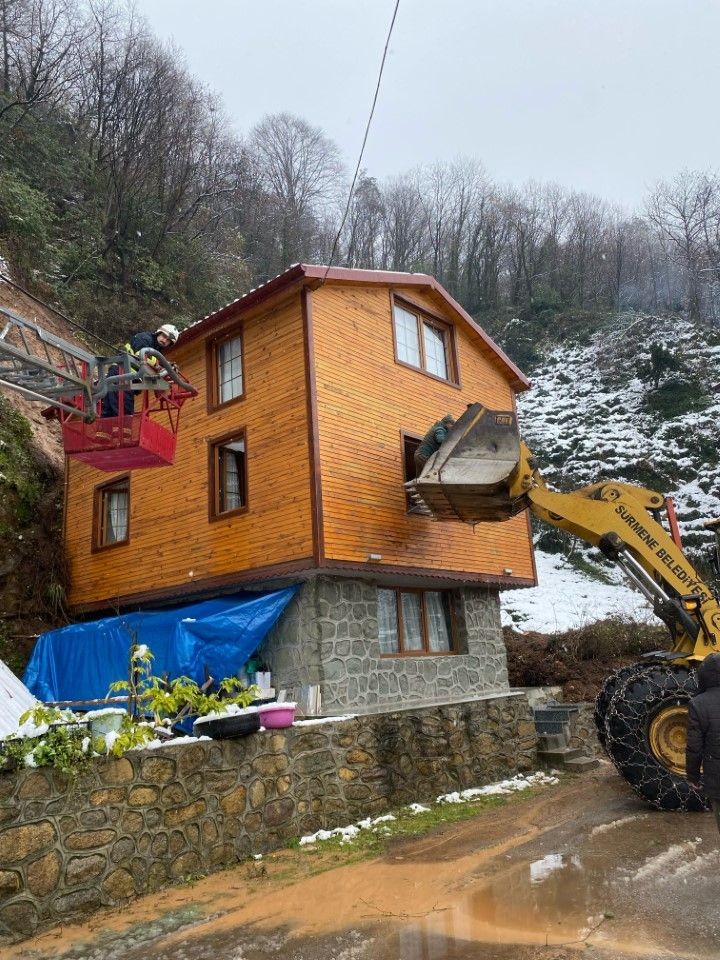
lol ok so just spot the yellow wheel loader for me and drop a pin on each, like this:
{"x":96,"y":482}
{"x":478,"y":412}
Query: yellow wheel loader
{"x":484,"y":473}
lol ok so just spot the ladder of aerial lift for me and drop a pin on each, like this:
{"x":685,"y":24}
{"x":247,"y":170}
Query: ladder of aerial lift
{"x":42,"y":366}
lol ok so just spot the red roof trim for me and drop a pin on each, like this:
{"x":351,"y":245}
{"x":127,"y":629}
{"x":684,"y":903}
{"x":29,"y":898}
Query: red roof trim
{"x":305,"y":271}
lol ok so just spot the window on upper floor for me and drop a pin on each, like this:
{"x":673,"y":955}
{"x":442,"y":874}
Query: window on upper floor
{"x":228,"y":475}
{"x":424,"y":342}
{"x":111,"y":520}
{"x":225,"y":370}
{"x":415,"y":622}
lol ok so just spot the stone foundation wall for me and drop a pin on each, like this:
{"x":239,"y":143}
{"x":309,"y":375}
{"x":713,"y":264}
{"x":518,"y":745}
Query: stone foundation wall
{"x":135,"y":824}
{"x":328,"y":637}
{"x":583,"y":733}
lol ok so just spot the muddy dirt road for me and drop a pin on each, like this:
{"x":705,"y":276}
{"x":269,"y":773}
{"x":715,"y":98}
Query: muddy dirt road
{"x":582,"y":868}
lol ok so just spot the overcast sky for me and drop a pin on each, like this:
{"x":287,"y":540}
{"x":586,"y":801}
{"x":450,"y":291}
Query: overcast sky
{"x":606,"y":96}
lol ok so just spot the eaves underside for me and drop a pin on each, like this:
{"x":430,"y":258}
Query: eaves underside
{"x":282,"y":575}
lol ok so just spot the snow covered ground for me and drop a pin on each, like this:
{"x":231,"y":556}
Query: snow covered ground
{"x":566,"y":598}
{"x":589,"y":418}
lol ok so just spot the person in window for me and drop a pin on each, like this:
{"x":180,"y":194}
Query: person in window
{"x":432,"y":441}
{"x":164,"y":337}
{"x":703,"y":734}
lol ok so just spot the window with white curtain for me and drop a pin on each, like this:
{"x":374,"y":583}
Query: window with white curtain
{"x":414,"y":622}
{"x":439,"y":623}
{"x":112,"y":513}
{"x":388,"y":622}
{"x":229,"y":479}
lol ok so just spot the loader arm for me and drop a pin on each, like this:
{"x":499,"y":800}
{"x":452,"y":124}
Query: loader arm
{"x":484,"y":472}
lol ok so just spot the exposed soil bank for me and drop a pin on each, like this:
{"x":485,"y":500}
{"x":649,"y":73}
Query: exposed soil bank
{"x":580,"y":865}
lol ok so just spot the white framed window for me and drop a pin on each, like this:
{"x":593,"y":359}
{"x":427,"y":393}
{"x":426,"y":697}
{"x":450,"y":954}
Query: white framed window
{"x":435,"y":343}
{"x":406,"y":336}
{"x":423,"y":342}
{"x":229,"y":369}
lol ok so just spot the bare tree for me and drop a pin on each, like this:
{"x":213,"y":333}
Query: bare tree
{"x":364,"y":226}
{"x":40,"y":40}
{"x":679,"y":211}
{"x":300,"y":169}
{"x":404,"y":244}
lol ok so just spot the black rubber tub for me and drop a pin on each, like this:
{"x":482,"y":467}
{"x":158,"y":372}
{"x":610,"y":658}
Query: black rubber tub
{"x":225,"y":728}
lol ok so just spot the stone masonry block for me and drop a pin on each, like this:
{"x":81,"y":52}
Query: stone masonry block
{"x":17,"y":843}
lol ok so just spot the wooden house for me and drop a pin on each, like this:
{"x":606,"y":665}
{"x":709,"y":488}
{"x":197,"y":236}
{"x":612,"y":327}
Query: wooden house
{"x":314,"y":391}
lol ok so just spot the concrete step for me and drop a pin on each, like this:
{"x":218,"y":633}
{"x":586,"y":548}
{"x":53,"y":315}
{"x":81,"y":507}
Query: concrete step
{"x":556,"y":712}
{"x":553,"y":741}
{"x":559,"y":757}
{"x":581,"y":764}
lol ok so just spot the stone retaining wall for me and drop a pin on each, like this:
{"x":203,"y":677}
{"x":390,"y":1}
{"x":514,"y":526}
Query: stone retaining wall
{"x":583,"y":733}
{"x":135,"y":824}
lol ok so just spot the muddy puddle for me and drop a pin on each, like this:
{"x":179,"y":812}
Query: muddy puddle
{"x":586,"y":869}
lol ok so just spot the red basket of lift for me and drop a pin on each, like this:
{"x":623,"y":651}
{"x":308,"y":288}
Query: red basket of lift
{"x":145,"y":438}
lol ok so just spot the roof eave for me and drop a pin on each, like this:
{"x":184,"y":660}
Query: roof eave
{"x":305,"y":272}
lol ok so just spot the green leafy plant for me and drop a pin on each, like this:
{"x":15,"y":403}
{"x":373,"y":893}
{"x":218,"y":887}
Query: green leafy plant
{"x":41,"y":714}
{"x":131,"y":735}
{"x":15,"y":751}
{"x":179,"y":697}
{"x":66,"y":747}
{"x":167,"y":700}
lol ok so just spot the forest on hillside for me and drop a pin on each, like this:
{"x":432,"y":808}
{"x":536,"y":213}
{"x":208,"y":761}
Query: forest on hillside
{"x":124,"y":191}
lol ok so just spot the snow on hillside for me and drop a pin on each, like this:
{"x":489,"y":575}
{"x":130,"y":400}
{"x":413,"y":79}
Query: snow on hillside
{"x":599,"y":410}
{"x":566,"y":598}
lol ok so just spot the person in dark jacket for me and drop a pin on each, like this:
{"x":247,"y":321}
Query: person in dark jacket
{"x":432,"y":441}
{"x":163,"y":337}
{"x":703,"y":734}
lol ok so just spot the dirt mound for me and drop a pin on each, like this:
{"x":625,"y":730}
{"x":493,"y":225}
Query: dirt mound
{"x":578,"y":660}
{"x":33,"y":575}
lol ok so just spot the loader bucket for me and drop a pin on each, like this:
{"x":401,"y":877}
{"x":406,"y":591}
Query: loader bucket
{"x":469,"y":477}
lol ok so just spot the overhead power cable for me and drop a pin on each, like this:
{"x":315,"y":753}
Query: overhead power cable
{"x":362,"y":148}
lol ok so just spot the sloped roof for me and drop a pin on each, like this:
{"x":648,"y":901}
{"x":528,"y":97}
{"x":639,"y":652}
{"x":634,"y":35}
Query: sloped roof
{"x":15,"y":699}
{"x":306,"y":273}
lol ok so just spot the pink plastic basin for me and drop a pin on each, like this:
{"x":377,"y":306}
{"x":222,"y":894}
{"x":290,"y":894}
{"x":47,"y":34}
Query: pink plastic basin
{"x":276,"y":715}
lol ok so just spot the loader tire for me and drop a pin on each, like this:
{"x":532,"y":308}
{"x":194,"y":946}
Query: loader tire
{"x":645,"y":727}
{"x":602,"y":702}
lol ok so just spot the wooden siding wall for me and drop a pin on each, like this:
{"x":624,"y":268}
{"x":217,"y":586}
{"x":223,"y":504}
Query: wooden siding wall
{"x":172,"y":544}
{"x":361,"y":415}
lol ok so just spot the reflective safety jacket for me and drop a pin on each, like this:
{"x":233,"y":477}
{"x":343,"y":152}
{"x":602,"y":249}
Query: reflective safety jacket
{"x":139,"y":342}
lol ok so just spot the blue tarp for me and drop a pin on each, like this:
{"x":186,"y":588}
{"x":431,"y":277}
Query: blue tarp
{"x":80,"y":662}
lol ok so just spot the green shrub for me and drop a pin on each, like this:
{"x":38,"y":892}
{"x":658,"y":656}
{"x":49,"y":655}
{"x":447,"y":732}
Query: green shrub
{"x":608,"y":639}
{"x":19,"y":469}
{"x":26,"y":220}
{"x":675,"y":397}
{"x":65,"y":746}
